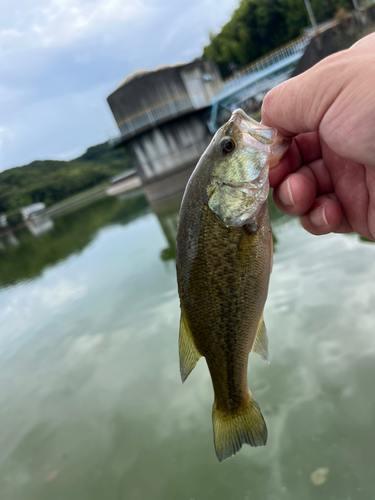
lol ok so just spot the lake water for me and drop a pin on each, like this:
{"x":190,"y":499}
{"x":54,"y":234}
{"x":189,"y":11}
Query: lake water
{"x":91,"y":402}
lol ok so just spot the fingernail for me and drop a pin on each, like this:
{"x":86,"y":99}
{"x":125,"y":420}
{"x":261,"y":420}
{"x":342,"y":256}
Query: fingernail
{"x":318,"y":217}
{"x":285,"y":194}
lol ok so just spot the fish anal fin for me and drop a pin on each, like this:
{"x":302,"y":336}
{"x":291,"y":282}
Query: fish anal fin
{"x":189,"y":354}
{"x":232,"y":430}
{"x":260,"y":345}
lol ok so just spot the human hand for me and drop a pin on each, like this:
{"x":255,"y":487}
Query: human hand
{"x":327,"y":177}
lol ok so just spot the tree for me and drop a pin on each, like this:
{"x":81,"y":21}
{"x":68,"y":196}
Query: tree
{"x":51,"y":181}
{"x":260,"y":26}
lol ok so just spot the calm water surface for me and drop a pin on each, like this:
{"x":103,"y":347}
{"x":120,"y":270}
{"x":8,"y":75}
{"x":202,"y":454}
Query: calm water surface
{"x":91,"y":403}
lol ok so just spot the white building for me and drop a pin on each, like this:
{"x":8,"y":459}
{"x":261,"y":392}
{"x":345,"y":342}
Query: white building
{"x":30,"y":211}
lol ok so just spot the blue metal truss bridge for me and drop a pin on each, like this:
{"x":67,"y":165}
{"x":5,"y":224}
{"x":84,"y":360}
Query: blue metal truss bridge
{"x":254,"y":81}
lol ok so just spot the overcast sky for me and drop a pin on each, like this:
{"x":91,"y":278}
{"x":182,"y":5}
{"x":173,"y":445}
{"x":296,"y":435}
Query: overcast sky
{"x":60,"y":59}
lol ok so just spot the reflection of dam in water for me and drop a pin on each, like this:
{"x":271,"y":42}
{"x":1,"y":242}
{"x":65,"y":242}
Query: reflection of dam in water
{"x":167,"y":211}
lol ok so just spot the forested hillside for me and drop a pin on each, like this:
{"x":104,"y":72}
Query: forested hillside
{"x":50,"y":181}
{"x":259,"y":26}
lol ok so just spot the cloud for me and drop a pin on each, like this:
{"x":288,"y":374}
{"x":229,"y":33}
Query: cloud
{"x":60,"y":59}
{"x":12,"y":33}
{"x":61,"y":292}
{"x":61,"y":22}
{"x":4,"y":135}
{"x":186,"y":25}
{"x":71,"y":122}
{"x":42,"y":298}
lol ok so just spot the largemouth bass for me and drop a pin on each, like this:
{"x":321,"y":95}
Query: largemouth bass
{"x":224,"y":260}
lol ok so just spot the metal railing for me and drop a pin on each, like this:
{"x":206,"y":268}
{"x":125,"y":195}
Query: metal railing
{"x":151,"y":116}
{"x":294,"y":48}
{"x":258,"y":75}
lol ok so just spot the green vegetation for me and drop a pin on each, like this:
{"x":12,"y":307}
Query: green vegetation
{"x":14,"y":218}
{"x":362,"y":238}
{"x":51,"y":181}
{"x":80,"y":197}
{"x":260,"y":26}
{"x":72,"y":232}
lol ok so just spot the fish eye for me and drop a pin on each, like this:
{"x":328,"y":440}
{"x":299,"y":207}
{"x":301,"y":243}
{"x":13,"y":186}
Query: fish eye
{"x":227,"y":145}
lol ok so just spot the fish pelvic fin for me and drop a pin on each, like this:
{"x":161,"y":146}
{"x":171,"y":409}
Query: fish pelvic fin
{"x":232,"y":430}
{"x":260,"y":345}
{"x":189,"y":354}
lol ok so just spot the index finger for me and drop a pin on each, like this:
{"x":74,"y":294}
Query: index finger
{"x":304,"y":149}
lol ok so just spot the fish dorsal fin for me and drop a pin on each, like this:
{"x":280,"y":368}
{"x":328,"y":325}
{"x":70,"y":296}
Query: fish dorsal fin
{"x":189,"y":354}
{"x":260,"y":345}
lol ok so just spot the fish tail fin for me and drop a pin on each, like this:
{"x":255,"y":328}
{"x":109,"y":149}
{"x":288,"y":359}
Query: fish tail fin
{"x":232,"y":430}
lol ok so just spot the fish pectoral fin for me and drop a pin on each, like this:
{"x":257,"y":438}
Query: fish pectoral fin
{"x":260,"y":345}
{"x":233,"y":429}
{"x":189,"y":354}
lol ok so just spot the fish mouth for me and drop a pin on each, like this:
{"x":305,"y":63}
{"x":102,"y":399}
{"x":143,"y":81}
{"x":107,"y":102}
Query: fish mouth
{"x":261,"y":137}
{"x":258,"y":131}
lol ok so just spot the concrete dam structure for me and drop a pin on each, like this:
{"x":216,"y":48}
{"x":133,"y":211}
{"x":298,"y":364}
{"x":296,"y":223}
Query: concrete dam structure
{"x":162,"y":116}
{"x":167,"y":117}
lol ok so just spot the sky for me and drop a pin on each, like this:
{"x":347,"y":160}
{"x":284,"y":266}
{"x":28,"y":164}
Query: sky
{"x":60,"y":59}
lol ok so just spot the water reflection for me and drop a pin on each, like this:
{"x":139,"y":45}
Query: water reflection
{"x":362,"y":238}
{"x":26,"y":253}
{"x":25,"y":257}
{"x":92,"y":406}
{"x":12,"y":240}
{"x":40,"y":226}
{"x":167,"y":212}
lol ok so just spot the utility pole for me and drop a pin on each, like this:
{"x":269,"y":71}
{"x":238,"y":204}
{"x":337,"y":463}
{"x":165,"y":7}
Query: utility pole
{"x":311,"y":15}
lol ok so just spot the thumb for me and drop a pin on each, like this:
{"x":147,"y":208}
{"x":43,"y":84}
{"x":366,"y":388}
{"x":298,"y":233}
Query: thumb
{"x":335,"y":97}
{"x":299,"y":104}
